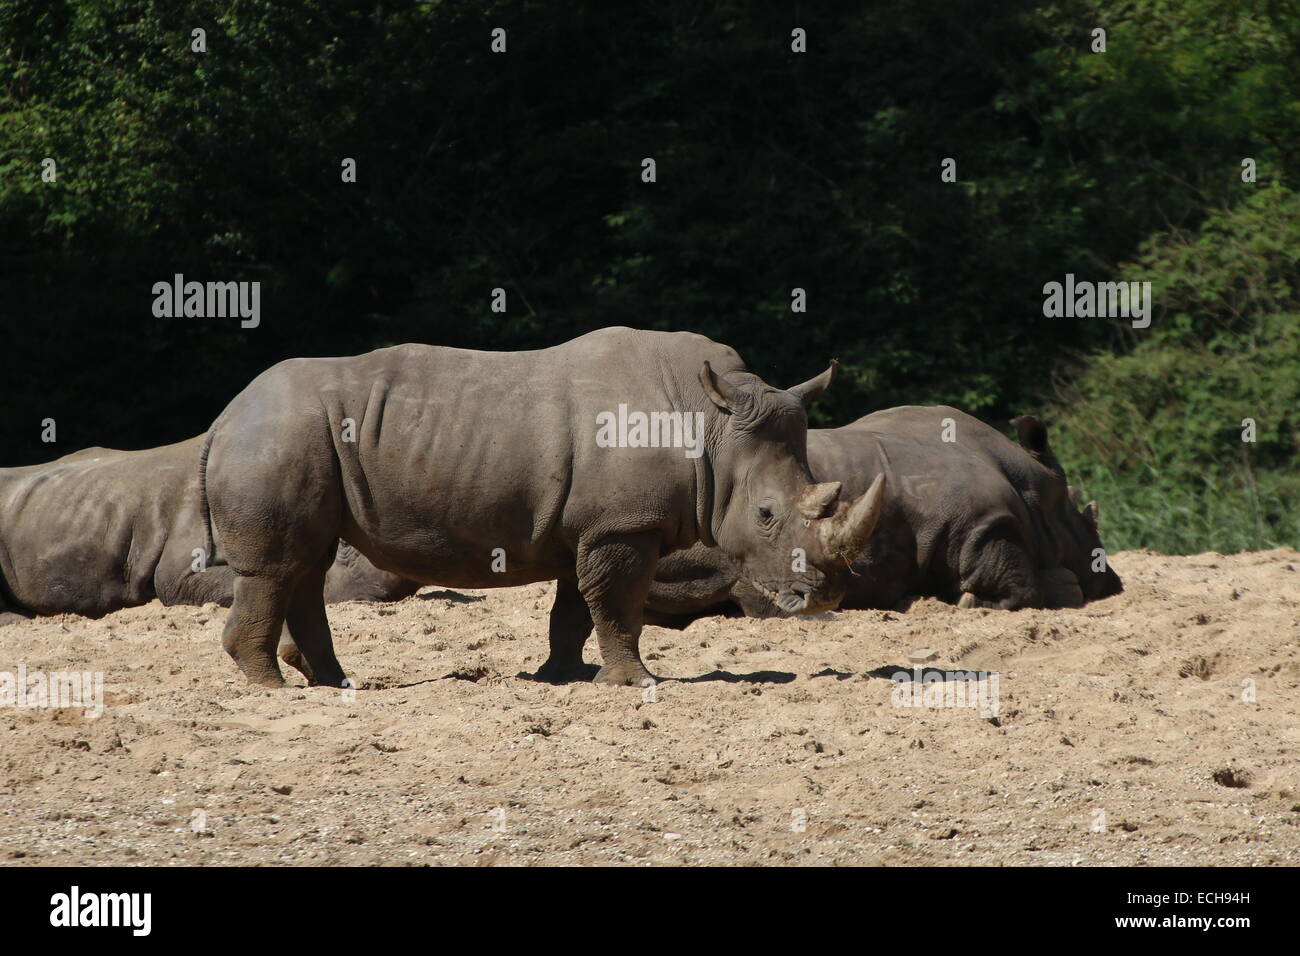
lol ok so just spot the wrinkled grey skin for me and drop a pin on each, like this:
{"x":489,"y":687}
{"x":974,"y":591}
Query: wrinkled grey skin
{"x":100,"y":530}
{"x":462,"y":457}
{"x":978,"y":521}
{"x":353,"y":578}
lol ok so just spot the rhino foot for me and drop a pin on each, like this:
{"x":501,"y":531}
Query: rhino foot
{"x":970,"y":600}
{"x":623,"y":675}
{"x":563,"y":672}
{"x":266,"y":678}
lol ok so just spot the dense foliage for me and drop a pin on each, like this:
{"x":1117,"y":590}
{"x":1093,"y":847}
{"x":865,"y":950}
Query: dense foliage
{"x":775,"y":170}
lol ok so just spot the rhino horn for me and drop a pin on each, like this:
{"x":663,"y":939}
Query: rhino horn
{"x":1092,"y":512}
{"x":846,"y":533}
{"x":813,"y":389}
{"x":818,"y":501}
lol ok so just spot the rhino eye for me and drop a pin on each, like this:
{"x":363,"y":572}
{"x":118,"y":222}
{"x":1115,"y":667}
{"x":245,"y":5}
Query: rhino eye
{"x":764,"y":513}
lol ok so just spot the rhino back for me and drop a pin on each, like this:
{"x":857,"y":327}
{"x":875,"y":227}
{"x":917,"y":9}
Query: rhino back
{"x":937,"y":496}
{"x":985,"y":481}
{"x":1052,"y":529}
{"x":85,"y":534}
{"x":444,"y":455}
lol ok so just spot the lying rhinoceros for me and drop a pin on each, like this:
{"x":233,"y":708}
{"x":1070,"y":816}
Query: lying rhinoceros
{"x":101,"y":529}
{"x":582,"y":463}
{"x":353,"y":578}
{"x":976,"y":520}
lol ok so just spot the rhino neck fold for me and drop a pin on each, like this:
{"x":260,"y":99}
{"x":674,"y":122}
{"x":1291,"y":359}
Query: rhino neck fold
{"x":704,"y":499}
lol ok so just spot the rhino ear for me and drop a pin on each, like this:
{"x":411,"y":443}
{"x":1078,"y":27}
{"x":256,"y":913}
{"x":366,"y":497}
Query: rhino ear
{"x":815,"y":388}
{"x":1031,"y":433}
{"x":1076,"y":496}
{"x":818,"y":501}
{"x":1091,"y":512}
{"x":721,"y":392}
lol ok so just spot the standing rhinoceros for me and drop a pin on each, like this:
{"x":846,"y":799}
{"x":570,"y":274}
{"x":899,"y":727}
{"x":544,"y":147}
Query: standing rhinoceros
{"x":101,"y":529}
{"x":976,"y":520}
{"x":582,"y":463}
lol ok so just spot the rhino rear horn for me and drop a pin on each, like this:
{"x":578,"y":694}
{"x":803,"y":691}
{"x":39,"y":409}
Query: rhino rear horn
{"x":815,"y":388}
{"x":818,"y":501}
{"x":1092,"y":512}
{"x":846,"y":533}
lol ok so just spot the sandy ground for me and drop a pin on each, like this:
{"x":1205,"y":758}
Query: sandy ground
{"x":1158,"y":727}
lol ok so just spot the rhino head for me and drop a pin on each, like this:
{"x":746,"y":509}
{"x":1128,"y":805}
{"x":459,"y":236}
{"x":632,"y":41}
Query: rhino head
{"x":1075,"y":529}
{"x":1082,"y":526}
{"x":790,"y":538}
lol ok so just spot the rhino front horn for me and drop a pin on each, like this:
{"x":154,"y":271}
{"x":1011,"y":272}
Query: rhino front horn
{"x":846,"y":533}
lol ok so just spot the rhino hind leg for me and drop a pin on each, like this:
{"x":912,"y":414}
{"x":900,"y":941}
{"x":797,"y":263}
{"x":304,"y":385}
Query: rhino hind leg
{"x":570,"y":626}
{"x":305,"y":619}
{"x":253,"y":628}
{"x":289,"y":653}
{"x":614,"y":576}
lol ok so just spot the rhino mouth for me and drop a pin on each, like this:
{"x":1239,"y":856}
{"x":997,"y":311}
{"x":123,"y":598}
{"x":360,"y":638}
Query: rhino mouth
{"x":791,"y":599}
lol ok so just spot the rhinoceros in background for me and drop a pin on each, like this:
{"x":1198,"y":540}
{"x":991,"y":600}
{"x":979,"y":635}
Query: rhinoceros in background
{"x":583,"y":463}
{"x":976,"y":520}
{"x":353,"y":578}
{"x":101,"y":529}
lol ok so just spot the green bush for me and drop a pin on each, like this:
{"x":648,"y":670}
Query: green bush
{"x":1156,"y":434}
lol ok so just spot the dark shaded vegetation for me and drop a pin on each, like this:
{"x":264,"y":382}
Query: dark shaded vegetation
{"x":776,"y":170}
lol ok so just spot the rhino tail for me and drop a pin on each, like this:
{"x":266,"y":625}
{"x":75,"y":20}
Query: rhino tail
{"x":1032,"y":435}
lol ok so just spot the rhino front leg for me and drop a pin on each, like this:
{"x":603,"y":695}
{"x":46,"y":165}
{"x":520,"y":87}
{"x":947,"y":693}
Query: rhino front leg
{"x":1060,"y":588}
{"x":614,"y":576}
{"x":997,"y":572}
{"x":215,"y":584}
{"x":570,"y":627}
{"x":311,"y":620}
